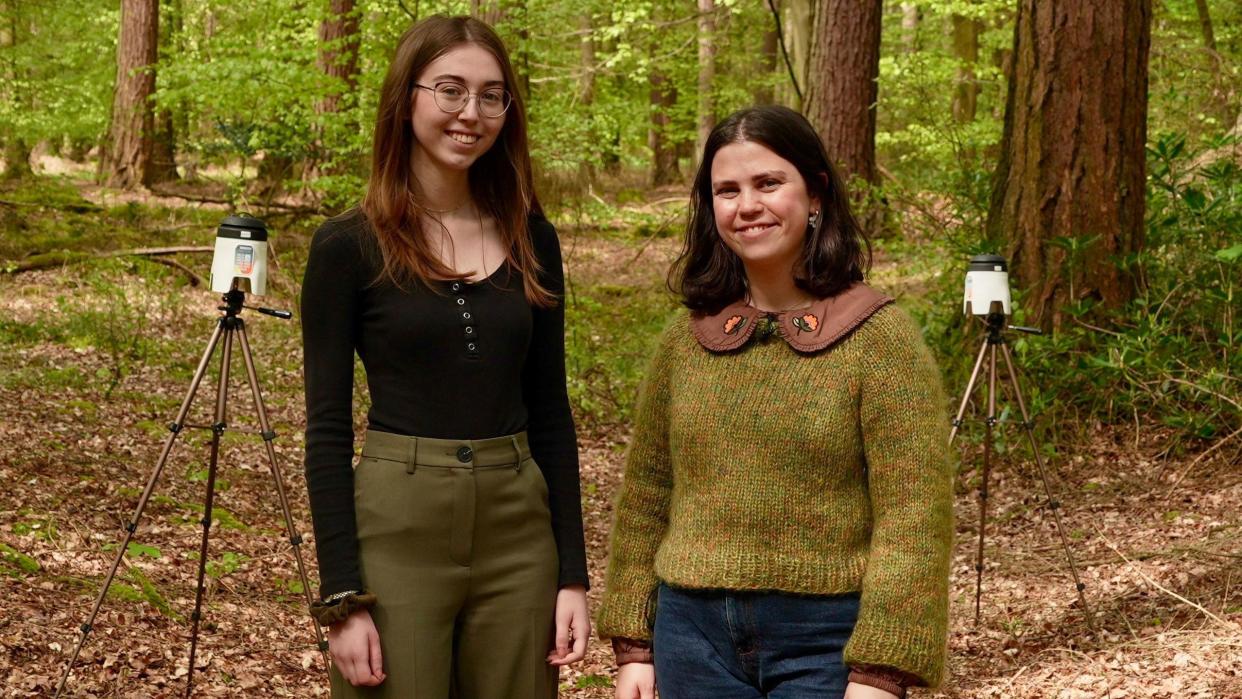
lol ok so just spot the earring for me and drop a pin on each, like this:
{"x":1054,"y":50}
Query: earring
{"x":813,"y":219}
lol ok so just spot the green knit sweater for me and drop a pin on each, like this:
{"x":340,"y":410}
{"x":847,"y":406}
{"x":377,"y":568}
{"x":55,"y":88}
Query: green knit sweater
{"x":767,"y":468}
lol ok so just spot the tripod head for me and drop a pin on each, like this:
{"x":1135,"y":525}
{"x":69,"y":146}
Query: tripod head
{"x":995,"y":321}
{"x":235,"y":300}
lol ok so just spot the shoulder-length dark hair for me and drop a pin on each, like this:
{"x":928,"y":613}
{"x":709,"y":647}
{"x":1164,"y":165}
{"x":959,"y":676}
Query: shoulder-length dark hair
{"x":501,"y":182}
{"x":709,"y":276}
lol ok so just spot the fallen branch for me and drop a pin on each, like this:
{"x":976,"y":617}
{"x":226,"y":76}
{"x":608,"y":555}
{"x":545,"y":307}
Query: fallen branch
{"x":1219,"y":443}
{"x":1151,"y":581}
{"x":61,"y":258}
{"x":86,"y":208}
{"x":205,"y":199}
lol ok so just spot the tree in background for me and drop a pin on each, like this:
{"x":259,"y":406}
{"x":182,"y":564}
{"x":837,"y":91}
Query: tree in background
{"x":127,"y":152}
{"x":338,"y":60}
{"x":16,"y":149}
{"x":707,"y":74}
{"x":163,"y":165}
{"x":841,"y":90}
{"x":1068,"y":193}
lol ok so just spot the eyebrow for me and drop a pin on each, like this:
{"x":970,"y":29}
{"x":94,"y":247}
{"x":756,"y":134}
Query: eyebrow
{"x":776,"y":174}
{"x":458,"y":79}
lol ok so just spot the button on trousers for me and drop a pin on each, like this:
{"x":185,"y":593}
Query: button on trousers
{"x":455,"y":540}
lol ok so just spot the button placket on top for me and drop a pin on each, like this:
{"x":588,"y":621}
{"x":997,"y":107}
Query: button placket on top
{"x":469,"y":324}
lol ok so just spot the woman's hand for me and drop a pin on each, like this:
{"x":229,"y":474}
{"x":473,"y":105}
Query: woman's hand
{"x":863,"y":691}
{"x":573,"y":626}
{"x":636,"y":681}
{"x":355,"y":649}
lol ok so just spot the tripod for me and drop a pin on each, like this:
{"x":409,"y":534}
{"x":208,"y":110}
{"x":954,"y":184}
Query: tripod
{"x":996,"y":338}
{"x":230,"y":325}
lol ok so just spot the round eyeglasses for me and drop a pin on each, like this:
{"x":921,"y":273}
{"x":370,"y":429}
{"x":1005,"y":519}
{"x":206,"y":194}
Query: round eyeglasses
{"x":453,"y":97}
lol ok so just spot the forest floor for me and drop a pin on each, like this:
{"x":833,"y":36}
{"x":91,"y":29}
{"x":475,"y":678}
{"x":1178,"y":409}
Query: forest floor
{"x":98,"y":357}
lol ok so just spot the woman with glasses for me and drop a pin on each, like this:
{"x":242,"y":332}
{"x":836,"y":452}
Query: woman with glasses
{"x":451,"y":556}
{"x":784,"y":526}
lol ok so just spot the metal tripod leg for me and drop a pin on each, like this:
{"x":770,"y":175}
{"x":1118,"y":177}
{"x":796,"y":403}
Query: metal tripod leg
{"x":217,"y":431}
{"x":970,"y":387}
{"x":1053,"y":503}
{"x":987,"y":471}
{"x":174,"y":429}
{"x":268,"y":435}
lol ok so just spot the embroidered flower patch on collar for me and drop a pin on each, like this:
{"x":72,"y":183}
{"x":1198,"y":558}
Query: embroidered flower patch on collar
{"x":825,"y":323}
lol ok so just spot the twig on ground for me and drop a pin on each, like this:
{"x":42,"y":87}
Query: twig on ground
{"x":1221,"y":442}
{"x":1152,"y":581}
{"x":61,"y":258}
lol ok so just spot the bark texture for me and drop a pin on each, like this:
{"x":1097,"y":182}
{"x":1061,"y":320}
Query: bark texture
{"x":127,"y":153}
{"x":707,"y":74}
{"x":1072,"y":160}
{"x":338,"y":60}
{"x":664,"y":168}
{"x":966,"y":51}
{"x":841,"y":90}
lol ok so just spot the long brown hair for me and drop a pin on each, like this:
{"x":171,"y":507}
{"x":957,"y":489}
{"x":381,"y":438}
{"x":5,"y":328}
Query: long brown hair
{"x":836,"y":253}
{"x":501,"y":182}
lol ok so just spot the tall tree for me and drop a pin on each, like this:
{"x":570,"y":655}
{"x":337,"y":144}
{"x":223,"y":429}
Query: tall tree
{"x":707,"y":74}
{"x":163,"y":165}
{"x":338,"y":60}
{"x":966,"y":50}
{"x":663,"y":95}
{"x":841,"y":89}
{"x":127,"y":152}
{"x":1068,"y":193}
{"x":16,"y":150}
{"x":910,"y":26}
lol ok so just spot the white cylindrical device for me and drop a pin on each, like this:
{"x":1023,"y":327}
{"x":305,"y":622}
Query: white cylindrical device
{"x":987,"y":281}
{"x":241,"y":256}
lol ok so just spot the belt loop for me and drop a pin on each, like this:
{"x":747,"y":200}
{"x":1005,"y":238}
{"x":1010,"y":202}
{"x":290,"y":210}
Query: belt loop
{"x":517,"y":453}
{"x":411,"y":454}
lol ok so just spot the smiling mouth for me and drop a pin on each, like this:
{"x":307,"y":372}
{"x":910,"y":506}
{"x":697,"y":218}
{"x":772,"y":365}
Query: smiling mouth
{"x":463,"y":137}
{"x":754,"y":229}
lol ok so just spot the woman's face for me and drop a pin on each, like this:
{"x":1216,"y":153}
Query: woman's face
{"x":761,"y":205}
{"x":455,"y":141}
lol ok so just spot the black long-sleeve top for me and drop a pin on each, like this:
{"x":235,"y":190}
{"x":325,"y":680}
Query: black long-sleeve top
{"x":473,"y":361}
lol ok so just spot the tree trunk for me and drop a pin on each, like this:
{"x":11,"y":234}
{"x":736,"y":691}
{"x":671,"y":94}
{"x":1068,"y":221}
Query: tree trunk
{"x":16,"y":150}
{"x":663,"y":154}
{"x":798,"y":16}
{"x":841,"y":94}
{"x":163,"y":166}
{"x":127,"y":152}
{"x":1205,"y":23}
{"x":966,"y":51}
{"x":338,"y":60}
{"x":1068,"y":193}
{"x":707,"y":75}
{"x":767,"y":65}
{"x":910,"y":27}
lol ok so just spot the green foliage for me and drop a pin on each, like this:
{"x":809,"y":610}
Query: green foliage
{"x":1171,"y":355}
{"x":16,"y":563}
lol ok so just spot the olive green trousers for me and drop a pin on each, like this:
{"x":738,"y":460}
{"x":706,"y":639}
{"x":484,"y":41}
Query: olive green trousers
{"x":455,"y":540}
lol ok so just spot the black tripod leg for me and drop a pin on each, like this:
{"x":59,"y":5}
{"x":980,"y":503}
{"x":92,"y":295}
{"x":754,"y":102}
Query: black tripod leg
{"x":217,"y":430}
{"x":1053,"y":503}
{"x":268,"y":435}
{"x":174,"y":429}
{"x":970,"y":387}
{"x":987,"y":471}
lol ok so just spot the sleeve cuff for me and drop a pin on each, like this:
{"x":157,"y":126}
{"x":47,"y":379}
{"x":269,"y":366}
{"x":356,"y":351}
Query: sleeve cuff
{"x":629,"y":650}
{"x":886,"y":678}
{"x":329,"y":613}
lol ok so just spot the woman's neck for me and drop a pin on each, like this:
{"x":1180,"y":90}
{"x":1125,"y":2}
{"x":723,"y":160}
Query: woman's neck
{"x":774,"y":290}
{"x":440,"y":188}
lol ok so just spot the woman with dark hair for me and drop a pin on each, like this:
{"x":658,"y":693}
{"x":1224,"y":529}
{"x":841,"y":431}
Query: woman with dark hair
{"x":452,"y":556}
{"x":785,"y":522}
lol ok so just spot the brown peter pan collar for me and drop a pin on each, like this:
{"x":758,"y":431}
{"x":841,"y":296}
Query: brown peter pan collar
{"x":812,"y":329}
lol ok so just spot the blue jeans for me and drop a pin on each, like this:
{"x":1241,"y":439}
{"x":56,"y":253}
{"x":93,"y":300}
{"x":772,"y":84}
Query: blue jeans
{"x":720,"y":644}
